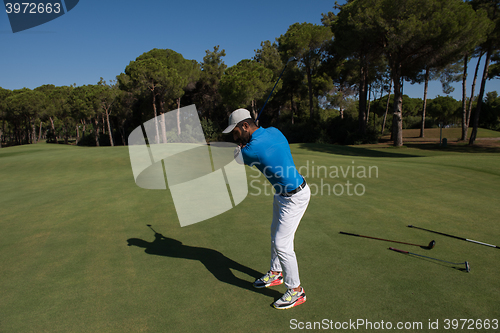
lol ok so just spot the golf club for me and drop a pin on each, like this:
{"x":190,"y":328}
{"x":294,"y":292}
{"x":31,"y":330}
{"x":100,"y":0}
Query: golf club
{"x":467,"y":267}
{"x":428,"y":247}
{"x":461,"y":238}
{"x":290,"y":59}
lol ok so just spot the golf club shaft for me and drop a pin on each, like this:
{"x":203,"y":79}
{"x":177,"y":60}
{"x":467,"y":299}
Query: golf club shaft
{"x":382,"y":239}
{"x":415,"y":254}
{"x":461,"y":238}
{"x":273,"y":88}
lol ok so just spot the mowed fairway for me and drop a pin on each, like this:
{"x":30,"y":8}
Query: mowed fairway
{"x":68,"y":215}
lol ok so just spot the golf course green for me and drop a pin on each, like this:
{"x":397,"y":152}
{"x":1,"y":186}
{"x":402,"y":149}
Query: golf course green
{"x":77,"y":254}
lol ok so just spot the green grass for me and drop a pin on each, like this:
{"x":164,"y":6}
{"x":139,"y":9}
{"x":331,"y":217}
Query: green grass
{"x":68,"y":212}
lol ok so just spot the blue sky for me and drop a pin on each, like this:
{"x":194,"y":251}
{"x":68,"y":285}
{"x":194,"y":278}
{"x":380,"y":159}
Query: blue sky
{"x":99,"y":38}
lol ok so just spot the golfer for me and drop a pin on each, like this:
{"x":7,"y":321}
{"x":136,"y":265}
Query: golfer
{"x":268,"y":150}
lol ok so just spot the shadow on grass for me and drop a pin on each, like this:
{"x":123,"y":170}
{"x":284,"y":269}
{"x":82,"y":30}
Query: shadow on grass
{"x":450,"y":265}
{"x":217,"y":263}
{"x":457,"y":148}
{"x":354,"y":151}
{"x":9,"y":153}
{"x":392,"y":152}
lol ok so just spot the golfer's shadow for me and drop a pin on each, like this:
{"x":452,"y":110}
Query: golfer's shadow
{"x":217,"y":263}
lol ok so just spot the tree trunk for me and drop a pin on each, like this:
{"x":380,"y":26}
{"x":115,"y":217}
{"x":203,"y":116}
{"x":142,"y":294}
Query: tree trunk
{"x":254,"y":112}
{"x":122,"y":133}
{"x":464,"y":100}
{"x":362,"y":100}
{"x":368,"y":108}
{"x":480,"y":97}
{"x":109,"y":128}
{"x":397,"y":118}
{"x":53,"y":129}
{"x":386,"y":109}
{"x":84,"y":127}
{"x":178,"y":116}
{"x":34,"y":131}
{"x":96,"y":132}
{"x":154,"y":112}
{"x":309,"y":84}
{"x":16,"y":134}
{"x":28,"y":131}
{"x":163,"y":124}
{"x":40,"y":132}
{"x":426,"y":86}
{"x":66,"y":134}
{"x":162,"y":104}
{"x":163,"y":128}
{"x":1,"y":132}
{"x":469,"y":108}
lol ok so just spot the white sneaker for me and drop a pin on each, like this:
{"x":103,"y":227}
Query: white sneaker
{"x":290,"y":299}
{"x":269,"y":280}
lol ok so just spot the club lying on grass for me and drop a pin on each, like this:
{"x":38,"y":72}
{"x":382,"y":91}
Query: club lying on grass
{"x":467,"y":267}
{"x":428,"y":247}
{"x":461,"y":238}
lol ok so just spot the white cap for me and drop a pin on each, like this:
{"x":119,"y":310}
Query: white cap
{"x":235,"y":117}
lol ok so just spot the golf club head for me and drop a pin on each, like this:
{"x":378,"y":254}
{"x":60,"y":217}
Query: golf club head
{"x":291,"y":59}
{"x":430,"y":246}
{"x":467,"y":267}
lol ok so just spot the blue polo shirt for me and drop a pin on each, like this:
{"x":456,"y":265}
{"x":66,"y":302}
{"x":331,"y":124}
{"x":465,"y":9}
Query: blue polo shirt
{"x":269,"y":151}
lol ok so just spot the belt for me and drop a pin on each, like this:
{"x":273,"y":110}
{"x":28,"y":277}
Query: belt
{"x":297,"y":190}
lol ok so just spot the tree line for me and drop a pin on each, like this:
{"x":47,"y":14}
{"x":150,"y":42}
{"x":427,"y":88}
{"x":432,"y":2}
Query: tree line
{"x":368,"y":48}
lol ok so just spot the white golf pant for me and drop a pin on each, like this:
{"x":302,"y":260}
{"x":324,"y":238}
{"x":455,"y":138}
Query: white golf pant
{"x":287,"y":213}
